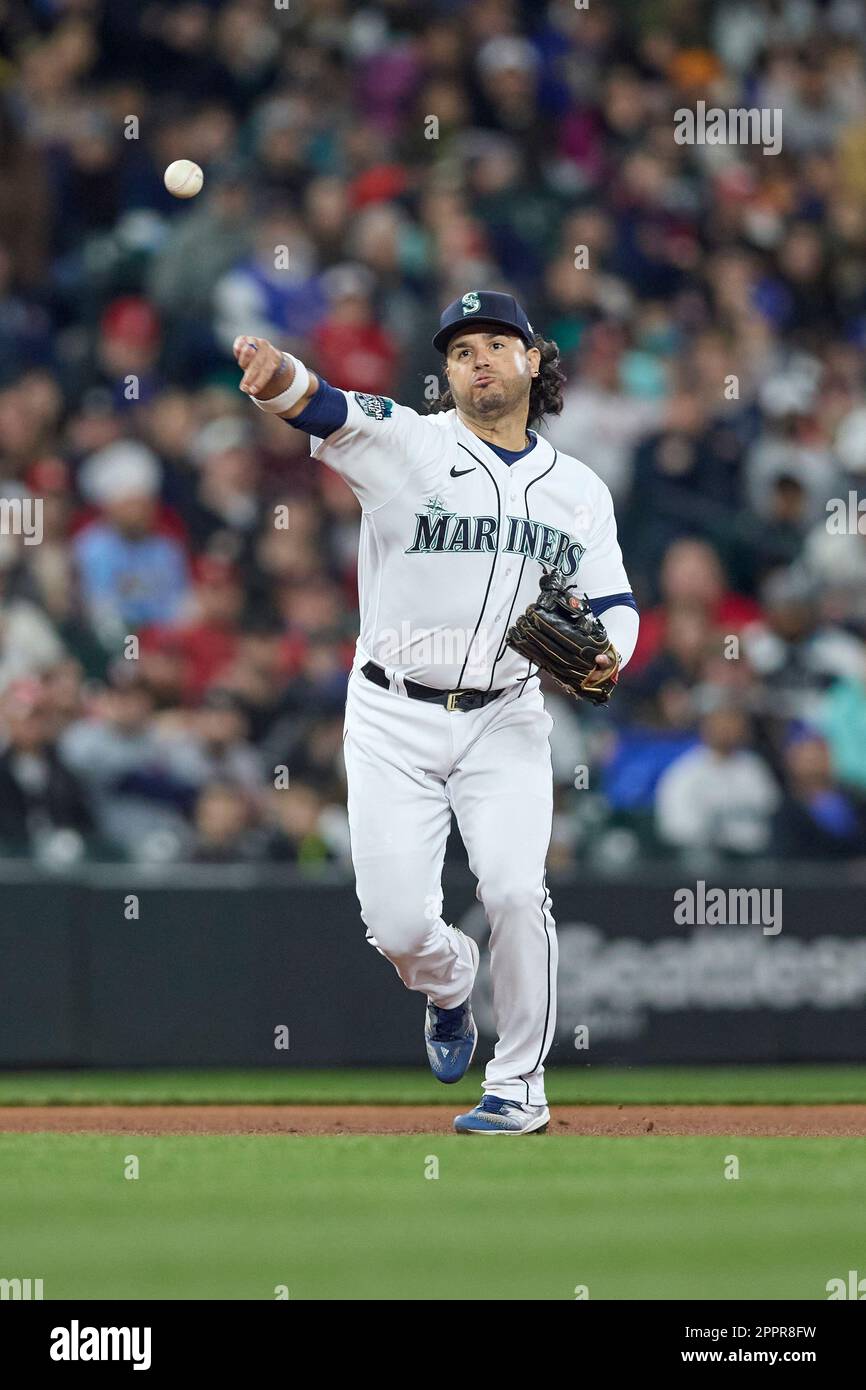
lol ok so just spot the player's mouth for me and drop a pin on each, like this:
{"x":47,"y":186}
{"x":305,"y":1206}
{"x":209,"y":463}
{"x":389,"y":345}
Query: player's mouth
{"x":483,"y":380}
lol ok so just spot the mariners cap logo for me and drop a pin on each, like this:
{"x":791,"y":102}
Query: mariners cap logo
{"x":471,"y":302}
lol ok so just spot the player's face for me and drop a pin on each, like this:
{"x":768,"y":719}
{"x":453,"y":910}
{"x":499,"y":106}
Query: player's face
{"x":490,"y":373}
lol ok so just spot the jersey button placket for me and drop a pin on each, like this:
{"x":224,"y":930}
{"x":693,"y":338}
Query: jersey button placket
{"x":512,"y":497}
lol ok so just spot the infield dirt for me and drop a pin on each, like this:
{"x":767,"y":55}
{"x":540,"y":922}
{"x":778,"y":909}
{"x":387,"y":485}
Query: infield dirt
{"x":628,"y":1121}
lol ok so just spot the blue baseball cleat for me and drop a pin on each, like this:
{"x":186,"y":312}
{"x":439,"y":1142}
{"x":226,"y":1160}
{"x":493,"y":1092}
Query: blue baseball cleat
{"x":498,"y":1116}
{"x":451,"y":1036}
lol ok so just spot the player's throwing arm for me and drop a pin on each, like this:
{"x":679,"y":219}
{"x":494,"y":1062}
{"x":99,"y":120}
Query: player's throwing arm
{"x":276,"y":381}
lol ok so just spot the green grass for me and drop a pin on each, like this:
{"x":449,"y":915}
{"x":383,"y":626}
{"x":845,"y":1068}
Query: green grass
{"x":566,"y":1086}
{"x":355,"y":1218}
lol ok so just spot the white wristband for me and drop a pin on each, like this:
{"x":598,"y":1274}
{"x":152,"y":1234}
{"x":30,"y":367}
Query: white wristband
{"x":292,"y":394}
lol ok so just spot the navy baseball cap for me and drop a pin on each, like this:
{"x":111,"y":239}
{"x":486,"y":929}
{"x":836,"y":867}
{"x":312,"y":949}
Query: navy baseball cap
{"x":482,"y":306}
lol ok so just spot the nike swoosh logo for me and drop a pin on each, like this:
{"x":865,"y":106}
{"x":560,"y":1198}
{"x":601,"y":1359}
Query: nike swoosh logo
{"x":458,"y":472}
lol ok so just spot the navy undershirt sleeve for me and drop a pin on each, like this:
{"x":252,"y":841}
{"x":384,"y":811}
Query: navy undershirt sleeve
{"x":601,"y":605}
{"x":325,"y":412}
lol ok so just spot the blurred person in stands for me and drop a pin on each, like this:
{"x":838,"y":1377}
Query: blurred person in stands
{"x":50,"y":569}
{"x":168,"y":424}
{"x":301,"y":831}
{"x":64,"y":691}
{"x":327,"y":216}
{"x":793,"y":652}
{"x":293,"y":553}
{"x":843,"y":724}
{"x":341,"y":528}
{"x":128,"y":351}
{"x":39,"y":794}
{"x":608,"y":420}
{"x":29,"y":409}
{"x":47,"y":573}
{"x":662,"y":691}
{"x":259,"y":673}
{"x":29,"y":643}
{"x":134,"y":776}
{"x":720,"y":795}
{"x":778,"y":539}
{"x":313,"y":607}
{"x":791,"y":442}
{"x":224,"y":827}
{"x":25,"y":325}
{"x":131,"y":574}
{"x":215,"y":745}
{"x":282,"y":128}
{"x":277,"y":288}
{"x":835,"y":550}
{"x":692,"y":576}
{"x":93,"y":424}
{"x":817,"y":819}
{"x":308,"y":739}
{"x":26,"y":212}
{"x":208,"y":639}
{"x":161,"y":667}
{"x":221,"y":501}
{"x":351,"y":349}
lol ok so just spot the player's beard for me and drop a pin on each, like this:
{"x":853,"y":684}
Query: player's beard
{"x":493,"y":402}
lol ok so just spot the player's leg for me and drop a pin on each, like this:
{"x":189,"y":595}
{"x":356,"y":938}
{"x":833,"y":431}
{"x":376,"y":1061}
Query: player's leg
{"x":501,"y":789}
{"x":399,"y":819}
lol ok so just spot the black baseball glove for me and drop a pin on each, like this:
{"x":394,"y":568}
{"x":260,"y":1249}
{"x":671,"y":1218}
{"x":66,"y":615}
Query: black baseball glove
{"x":560,"y":634}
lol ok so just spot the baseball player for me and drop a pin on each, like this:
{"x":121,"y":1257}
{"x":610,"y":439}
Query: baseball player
{"x":466,"y":513}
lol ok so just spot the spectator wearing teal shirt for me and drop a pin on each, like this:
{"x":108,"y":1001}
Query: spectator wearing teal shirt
{"x":131,"y":573}
{"x":844,"y":725}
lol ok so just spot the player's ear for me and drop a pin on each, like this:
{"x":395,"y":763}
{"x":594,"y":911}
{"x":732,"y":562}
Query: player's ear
{"x":533,"y":357}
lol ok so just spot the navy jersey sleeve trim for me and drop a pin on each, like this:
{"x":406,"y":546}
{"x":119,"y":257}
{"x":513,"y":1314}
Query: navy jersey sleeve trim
{"x":601,"y":605}
{"x":326,"y":412}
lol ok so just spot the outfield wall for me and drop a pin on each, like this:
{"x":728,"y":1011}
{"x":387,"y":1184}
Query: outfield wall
{"x":218,"y":961}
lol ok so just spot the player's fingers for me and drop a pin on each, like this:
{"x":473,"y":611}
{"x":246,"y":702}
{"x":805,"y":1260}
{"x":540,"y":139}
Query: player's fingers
{"x":261,"y":368}
{"x":602,"y":660}
{"x":257,"y":375}
{"x":245,"y":349}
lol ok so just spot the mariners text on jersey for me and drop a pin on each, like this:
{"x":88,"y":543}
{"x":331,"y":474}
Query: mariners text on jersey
{"x":456,"y":538}
{"x":446,"y":533}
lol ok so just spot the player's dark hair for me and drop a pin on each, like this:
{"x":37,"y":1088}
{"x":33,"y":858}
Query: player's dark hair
{"x":545,"y":394}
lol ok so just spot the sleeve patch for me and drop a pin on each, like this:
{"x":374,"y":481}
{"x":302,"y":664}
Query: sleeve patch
{"x":377,"y":407}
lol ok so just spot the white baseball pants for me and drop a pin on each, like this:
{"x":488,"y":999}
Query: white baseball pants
{"x":408,"y":764}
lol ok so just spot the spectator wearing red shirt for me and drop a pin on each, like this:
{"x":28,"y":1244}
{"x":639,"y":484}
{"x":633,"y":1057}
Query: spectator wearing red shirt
{"x":692,"y":577}
{"x":352,"y":350}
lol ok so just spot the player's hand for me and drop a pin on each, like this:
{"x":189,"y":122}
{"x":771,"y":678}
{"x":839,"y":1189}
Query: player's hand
{"x":264,"y":367}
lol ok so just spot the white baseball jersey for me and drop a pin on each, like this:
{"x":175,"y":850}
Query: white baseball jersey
{"x":453,"y":540}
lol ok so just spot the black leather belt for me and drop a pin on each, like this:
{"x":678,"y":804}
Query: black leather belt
{"x":463,"y":700}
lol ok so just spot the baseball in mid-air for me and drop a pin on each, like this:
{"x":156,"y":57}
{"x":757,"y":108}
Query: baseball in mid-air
{"x":183,"y":178}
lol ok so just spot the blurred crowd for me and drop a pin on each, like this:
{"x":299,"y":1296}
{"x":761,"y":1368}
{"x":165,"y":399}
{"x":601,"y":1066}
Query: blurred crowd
{"x":173,"y":662}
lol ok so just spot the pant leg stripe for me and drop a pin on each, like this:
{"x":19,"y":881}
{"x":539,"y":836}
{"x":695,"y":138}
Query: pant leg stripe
{"x":544,"y":900}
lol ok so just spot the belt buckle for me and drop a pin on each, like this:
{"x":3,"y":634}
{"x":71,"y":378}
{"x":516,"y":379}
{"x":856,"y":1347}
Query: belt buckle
{"x":451,"y":703}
